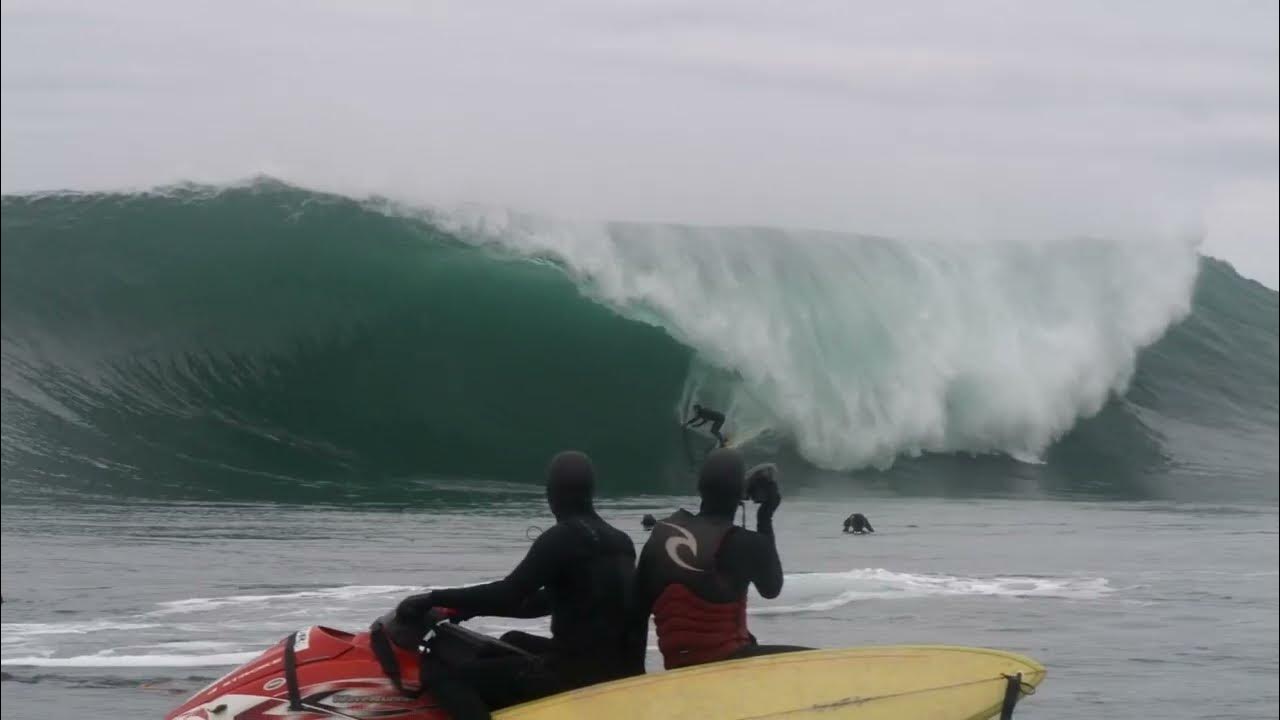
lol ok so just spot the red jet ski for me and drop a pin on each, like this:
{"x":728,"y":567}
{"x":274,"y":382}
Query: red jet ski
{"x":321,"y":673}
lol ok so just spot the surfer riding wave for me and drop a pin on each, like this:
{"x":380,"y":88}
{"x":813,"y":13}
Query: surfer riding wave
{"x":702,"y":416}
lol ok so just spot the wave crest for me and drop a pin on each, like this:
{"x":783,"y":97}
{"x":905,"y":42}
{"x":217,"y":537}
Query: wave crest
{"x":268,"y":342}
{"x":864,"y":349}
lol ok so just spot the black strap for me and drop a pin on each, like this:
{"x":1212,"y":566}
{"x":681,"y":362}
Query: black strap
{"x":291,"y":673}
{"x":460,"y":701}
{"x":1014,"y":689}
{"x":381,"y":646}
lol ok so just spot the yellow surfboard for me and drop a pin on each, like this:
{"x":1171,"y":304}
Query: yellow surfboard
{"x":893,"y":682}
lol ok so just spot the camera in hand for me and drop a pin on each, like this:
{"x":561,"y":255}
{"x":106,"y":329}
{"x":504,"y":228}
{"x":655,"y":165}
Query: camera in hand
{"x":761,"y":485}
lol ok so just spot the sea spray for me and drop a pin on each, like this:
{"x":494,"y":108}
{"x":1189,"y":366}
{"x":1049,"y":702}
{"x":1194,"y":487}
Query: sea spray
{"x":864,"y":349}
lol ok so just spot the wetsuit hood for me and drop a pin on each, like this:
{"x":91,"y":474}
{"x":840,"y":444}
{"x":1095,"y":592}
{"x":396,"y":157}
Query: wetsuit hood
{"x":571,"y":484}
{"x":722,"y":481}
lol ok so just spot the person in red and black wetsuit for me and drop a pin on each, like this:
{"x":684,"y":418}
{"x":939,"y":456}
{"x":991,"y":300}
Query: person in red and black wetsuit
{"x":694,"y":571}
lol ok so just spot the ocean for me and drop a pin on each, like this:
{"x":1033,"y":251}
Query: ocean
{"x":230,"y":412}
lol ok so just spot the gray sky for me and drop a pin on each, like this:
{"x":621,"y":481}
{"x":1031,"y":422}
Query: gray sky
{"x":985,"y":118}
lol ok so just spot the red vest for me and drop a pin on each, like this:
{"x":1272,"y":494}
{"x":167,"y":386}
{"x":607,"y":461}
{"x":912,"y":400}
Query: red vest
{"x":697,"y":616}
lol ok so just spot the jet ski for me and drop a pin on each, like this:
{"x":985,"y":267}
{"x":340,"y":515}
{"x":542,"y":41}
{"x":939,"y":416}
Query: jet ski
{"x":320,"y":673}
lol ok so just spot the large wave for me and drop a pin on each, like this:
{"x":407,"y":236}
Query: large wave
{"x":863,"y":349}
{"x":268,"y":341}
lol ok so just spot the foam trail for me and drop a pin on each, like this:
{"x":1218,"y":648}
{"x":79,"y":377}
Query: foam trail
{"x":226,"y":639}
{"x":102,"y":660}
{"x":864,"y":349}
{"x":817,"y":592}
{"x":12,"y":630}
{"x":336,"y":594}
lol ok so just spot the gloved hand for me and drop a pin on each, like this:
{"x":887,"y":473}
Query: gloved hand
{"x":762,"y":486}
{"x":414,"y":608}
{"x":443,"y":614}
{"x":408,"y":623}
{"x":407,"y":635}
{"x":769,"y":505}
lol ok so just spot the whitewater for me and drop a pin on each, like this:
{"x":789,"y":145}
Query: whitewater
{"x":272,"y":339}
{"x":227,"y":630}
{"x":863,"y":349}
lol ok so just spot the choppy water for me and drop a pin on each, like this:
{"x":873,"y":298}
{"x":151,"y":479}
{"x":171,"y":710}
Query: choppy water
{"x":1137,"y":609}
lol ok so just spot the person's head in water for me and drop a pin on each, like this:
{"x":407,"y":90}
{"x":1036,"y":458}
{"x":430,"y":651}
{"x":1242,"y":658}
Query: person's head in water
{"x":722,"y":481}
{"x":648,"y":522}
{"x":697,"y":408}
{"x":571,"y":483}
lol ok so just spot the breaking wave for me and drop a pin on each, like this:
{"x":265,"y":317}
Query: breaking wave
{"x":268,"y":342}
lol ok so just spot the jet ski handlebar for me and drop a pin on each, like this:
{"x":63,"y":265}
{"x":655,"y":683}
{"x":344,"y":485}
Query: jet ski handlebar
{"x":408,"y":633}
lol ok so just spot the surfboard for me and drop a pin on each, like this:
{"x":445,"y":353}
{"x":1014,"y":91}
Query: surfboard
{"x":732,"y":439}
{"x":895,"y":682}
{"x":739,"y":439}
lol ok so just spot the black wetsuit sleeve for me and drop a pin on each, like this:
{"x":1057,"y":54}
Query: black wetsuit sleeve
{"x":752,"y":557}
{"x":642,"y":599}
{"x":517,"y":593}
{"x":764,"y":526}
{"x":768,"y":576}
{"x":538,"y":605}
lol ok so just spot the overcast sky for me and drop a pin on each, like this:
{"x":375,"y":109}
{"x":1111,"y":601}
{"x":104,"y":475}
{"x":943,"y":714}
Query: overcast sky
{"x":962,"y":120}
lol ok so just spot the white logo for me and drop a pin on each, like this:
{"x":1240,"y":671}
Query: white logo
{"x":273,"y":684}
{"x":674,"y":544}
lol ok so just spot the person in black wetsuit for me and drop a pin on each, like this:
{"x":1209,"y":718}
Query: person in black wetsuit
{"x":580,"y":572}
{"x":695,"y":569}
{"x":702,"y":416}
{"x":858,"y":524}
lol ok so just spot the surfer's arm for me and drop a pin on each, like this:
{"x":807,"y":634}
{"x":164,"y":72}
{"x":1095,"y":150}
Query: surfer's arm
{"x":637,"y":619}
{"x":768,"y":581}
{"x":751,"y":558}
{"x":537,"y":605}
{"x":766,"y":565}
{"x":754,"y":555}
{"x":516,"y":595}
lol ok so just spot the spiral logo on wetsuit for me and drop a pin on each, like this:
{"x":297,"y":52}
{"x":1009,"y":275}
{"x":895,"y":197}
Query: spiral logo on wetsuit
{"x":674,"y":544}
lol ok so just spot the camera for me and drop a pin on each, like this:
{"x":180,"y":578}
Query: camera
{"x":761,"y":485}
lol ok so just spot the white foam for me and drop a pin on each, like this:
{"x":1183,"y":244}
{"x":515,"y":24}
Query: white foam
{"x":234,"y":642}
{"x":866,"y":349}
{"x":11,"y":630}
{"x":217,"y":630}
{"x":343,"y":593}
{"x":817,"y":592}
{"x":107,"y":660}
